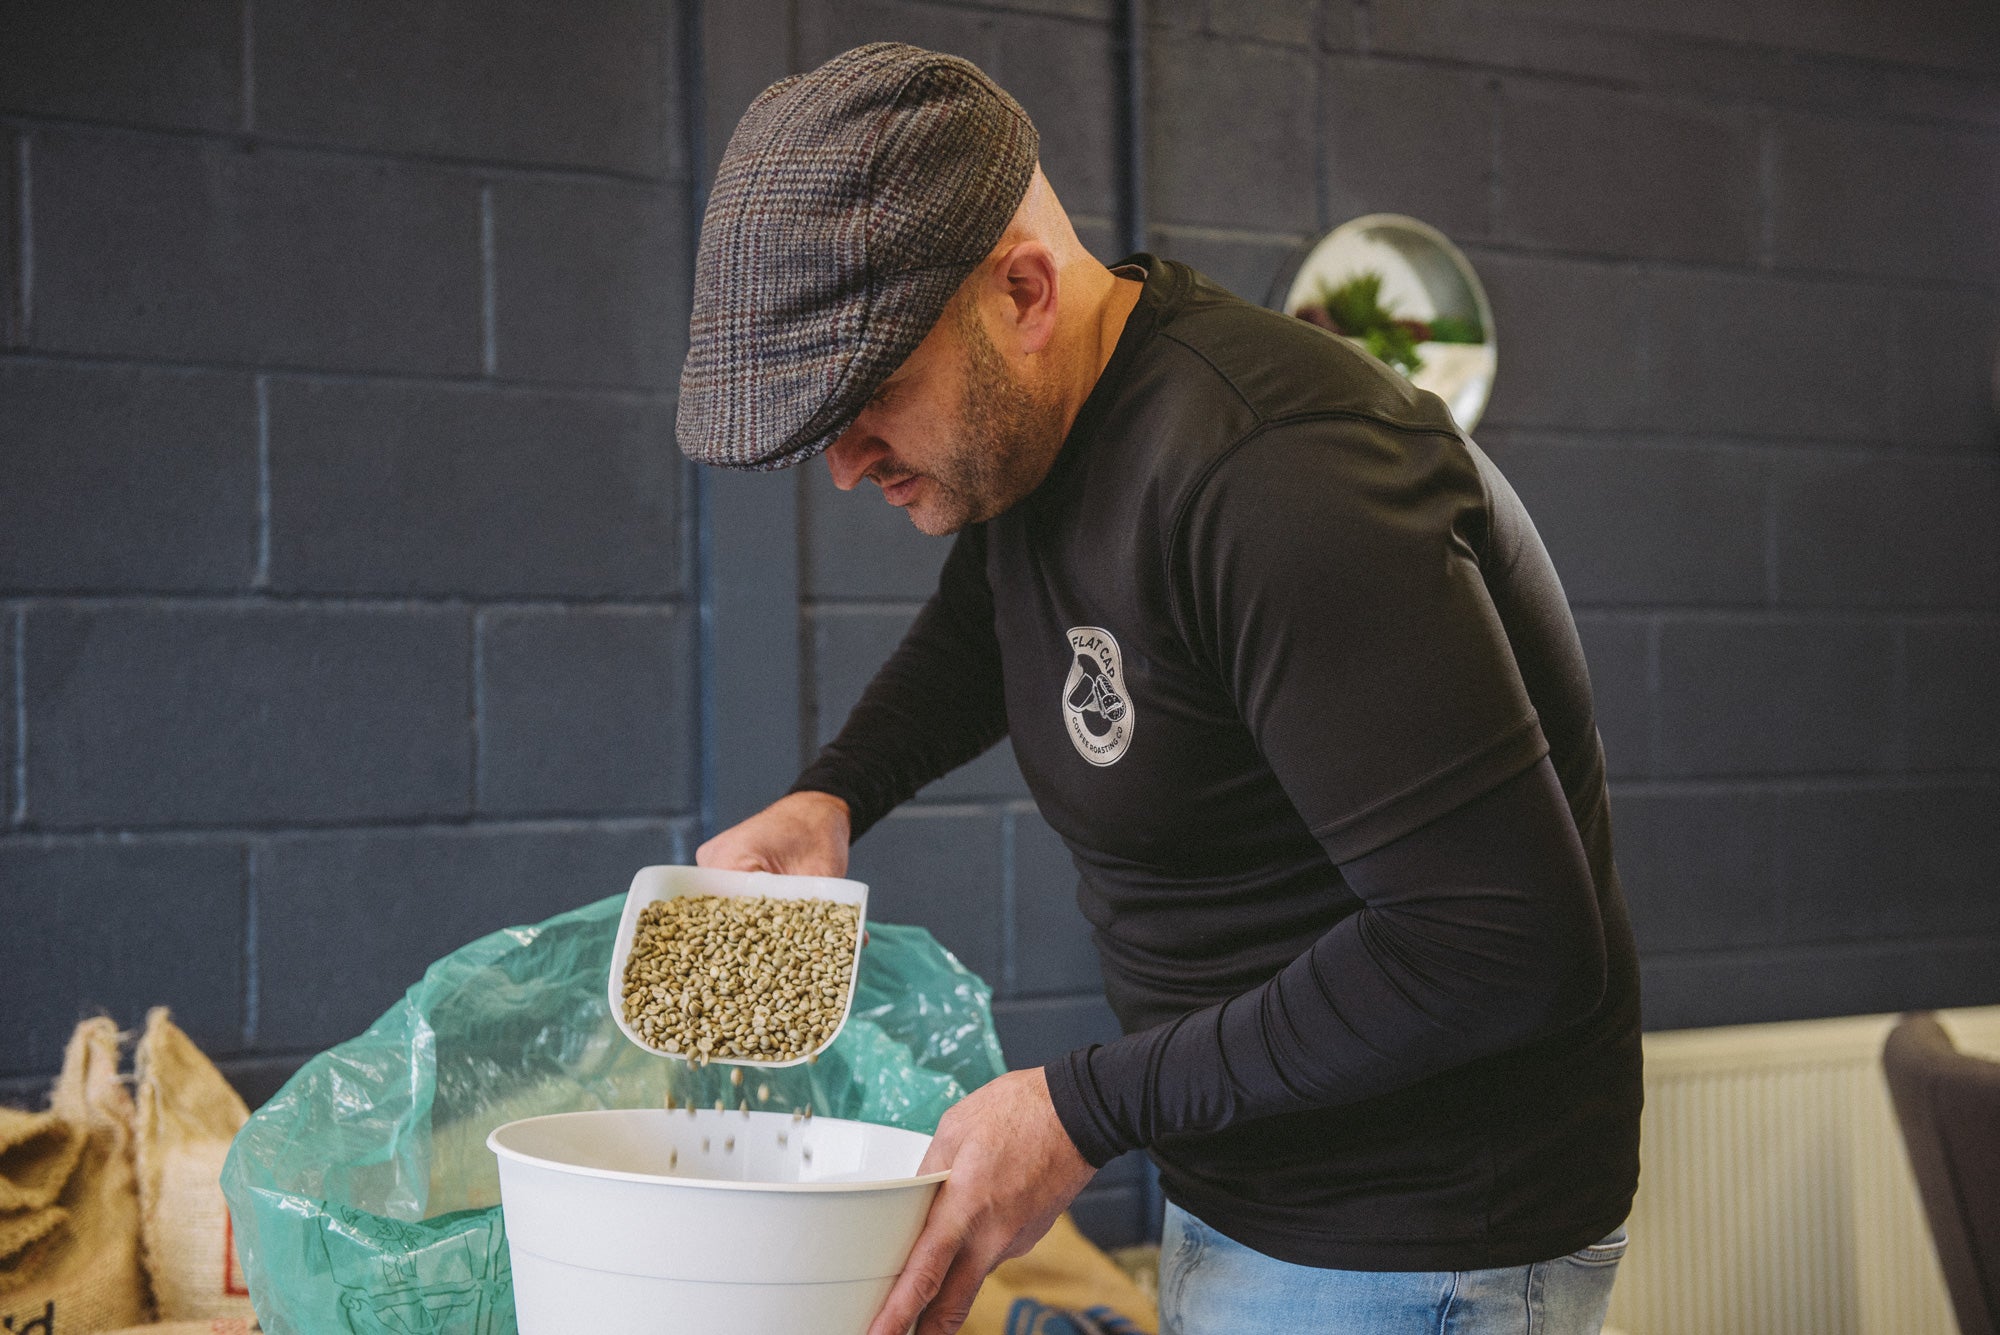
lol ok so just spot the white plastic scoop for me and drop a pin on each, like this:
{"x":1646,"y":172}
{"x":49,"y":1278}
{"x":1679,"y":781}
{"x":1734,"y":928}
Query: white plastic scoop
{"x":672,"y":882}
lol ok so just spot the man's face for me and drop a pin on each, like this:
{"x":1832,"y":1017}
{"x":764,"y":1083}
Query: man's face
{"x":954,"y":436}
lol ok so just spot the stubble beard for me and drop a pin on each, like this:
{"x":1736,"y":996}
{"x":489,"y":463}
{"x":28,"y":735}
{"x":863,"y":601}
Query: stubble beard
{"x":1006,"y":436}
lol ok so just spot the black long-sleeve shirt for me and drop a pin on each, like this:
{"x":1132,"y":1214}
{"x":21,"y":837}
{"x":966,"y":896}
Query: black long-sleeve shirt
{"x":1287,"y":668}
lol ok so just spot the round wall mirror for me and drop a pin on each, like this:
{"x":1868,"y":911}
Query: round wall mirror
{"x":1406,"y":294}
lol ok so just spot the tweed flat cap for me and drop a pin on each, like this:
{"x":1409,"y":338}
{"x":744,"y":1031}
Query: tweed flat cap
{"x":849,"y":206}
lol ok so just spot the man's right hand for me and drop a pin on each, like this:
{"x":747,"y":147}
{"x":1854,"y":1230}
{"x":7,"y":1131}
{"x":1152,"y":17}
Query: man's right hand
{"x":800,"y":834}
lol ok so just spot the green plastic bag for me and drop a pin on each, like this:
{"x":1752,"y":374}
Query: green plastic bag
{"x":363,"y":1196}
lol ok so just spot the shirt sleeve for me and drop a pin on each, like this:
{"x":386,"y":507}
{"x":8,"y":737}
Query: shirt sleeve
{"x":1332,"y":579}
{"x":936,"y":703}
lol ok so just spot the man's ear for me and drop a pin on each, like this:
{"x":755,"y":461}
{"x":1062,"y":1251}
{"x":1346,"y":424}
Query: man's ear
{"x":1028,"y":281}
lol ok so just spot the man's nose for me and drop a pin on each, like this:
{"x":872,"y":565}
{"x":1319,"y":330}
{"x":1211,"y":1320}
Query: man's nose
{"x":851,"y":456}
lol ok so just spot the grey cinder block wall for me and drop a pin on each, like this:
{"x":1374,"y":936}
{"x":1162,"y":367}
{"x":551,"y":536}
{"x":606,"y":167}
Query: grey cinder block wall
{"x":353,"y":601}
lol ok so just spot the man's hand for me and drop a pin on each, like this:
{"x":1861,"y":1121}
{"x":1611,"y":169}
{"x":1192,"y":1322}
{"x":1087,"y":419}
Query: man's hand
{"x":1013,"y":1170}
{"x":800,"y":834}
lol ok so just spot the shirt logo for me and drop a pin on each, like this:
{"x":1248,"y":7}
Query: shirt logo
{"x":1096,"y":710}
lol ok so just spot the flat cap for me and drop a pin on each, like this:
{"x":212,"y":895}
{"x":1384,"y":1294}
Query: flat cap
{"x":849,"y":206}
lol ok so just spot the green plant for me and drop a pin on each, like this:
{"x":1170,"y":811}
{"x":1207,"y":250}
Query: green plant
{"x":1355,"y":309}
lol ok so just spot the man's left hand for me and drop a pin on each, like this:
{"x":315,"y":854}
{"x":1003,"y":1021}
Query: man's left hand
{"x":1013,"y":1170}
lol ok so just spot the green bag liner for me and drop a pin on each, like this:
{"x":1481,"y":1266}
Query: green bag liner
{"x":364,"y":1199}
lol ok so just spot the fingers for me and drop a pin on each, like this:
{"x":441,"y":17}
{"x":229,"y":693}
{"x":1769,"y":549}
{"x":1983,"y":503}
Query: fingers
{"x":923,"y":1275}
{"x":947,"y":1311}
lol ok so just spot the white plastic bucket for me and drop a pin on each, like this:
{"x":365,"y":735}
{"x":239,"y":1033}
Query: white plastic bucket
{"x":648,"y":1222}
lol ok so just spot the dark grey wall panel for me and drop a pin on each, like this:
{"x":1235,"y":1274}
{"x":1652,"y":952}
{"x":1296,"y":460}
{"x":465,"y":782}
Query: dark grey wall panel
{"x":1947,"y":390}
{"x":848,"y":644}
{"x":12,"y":315}
{"x":1571,"y":342}
{"x":85,"y":934}
{"x":859,"y":546}
{"x":174,"y":65}
{"x":400,"y":488}
{"x":587,"y":710}
{"x":8,"y":718}
{"x":1953,"y":707}
{"x":1053,"y":953}
{"x":1620,"y":518}
{"x":1901,"y":201}
{"x":127,"y":478}
{"x":1879,"y":863}
{"x":210,"y":715}
{"x":1400,"y":139}
{"x":1619,"y":651}
{"x":589,"y":86}
{"x":1807,"y":982}
{"x":1700,"y":869}
{"x":1264,"y":94}
{"x":938,"y":867}
{"x":1586,"y":171}
{"x":1037,"y":1030}
{"x":207,"y":251}
{"x":1785,"y":697}
{"x":1869,"y":529}
{"x":590,"y":282}
{"x":1719,"y":343}
{"x":346,"y":922}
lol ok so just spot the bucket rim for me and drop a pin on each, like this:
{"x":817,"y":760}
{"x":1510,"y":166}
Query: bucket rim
{"x":504,"y":1151}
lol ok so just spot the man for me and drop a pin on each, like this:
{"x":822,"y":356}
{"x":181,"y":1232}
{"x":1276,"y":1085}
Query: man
{"x":1284,"y":664}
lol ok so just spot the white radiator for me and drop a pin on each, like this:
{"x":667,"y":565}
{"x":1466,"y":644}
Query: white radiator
{"x":1774,"y":1194}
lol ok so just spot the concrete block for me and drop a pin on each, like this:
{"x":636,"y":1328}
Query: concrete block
{"x":587,"y":710}
{"x":1111,"y":1216}
{"x":127,"y":479}
{"x":347,"y":921}
{"x":1878,"y":864}
{"x":1952,"y":710}
{"x":1410,"y":139}
{"x":1053,"y":953}
{"x":591,"y":86}
{"x":1619,"y":651}
{"x":1627,"y":522}
{"x":1064,"y":73}
{"x":1232,"y":134}
{"x":1887,"y":530}
{"x":1572,"y":342}
{"x":1101,"y":237}
{"x":1036,"y":1031}
{"x":1257,"y":269}
{"x":1897,"y":200}
{"x":1947,"y":371}
{"x":237,"y":715}
{"x":177,"y":66}
{"x":825,"y":30}
{"x":1587,"y":171}
{"x":1812,"y":982}
{"x":859,"y":546}
{"x":9,"y":737}
{"x":398,"y":488}
{"x":848,"y":646}
{"x":208,"y":251}
{"x":1775,"y":697}
{"x":120,"y":927}
{"x":12,"y":329}
{"x":1764,"y":356}
{"x":939,"y":868}
{"x":591,"y":282}
{"x":1700,"y":870}
{"x":1741,"y":68}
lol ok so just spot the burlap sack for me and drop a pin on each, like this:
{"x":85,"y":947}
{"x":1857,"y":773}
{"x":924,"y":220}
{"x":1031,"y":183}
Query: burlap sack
{"x":84,"y":1277}
{"x":187,"y":1116}
{"x":221,"y":1325}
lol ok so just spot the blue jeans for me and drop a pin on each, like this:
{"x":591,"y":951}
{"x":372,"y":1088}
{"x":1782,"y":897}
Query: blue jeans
{"x":1213,"y":1285}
